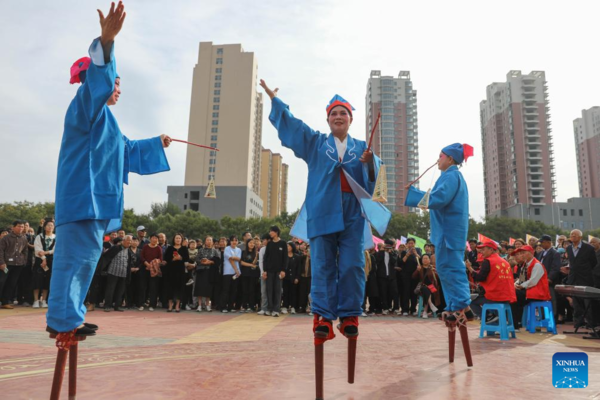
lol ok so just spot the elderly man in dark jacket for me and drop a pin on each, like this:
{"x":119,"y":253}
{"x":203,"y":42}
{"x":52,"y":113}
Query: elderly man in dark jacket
{"x":582,"y":262}
{"x":386,"y":261}
{"x":550,"y":259}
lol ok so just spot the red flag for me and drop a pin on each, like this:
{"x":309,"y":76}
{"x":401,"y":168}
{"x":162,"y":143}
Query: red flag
{"x":511,"y":241}
{"x":481,"y":238}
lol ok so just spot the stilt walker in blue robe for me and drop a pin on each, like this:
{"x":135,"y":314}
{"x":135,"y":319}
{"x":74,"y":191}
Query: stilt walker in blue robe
{"x":448,"y":204}
{"x":337,"y":214}
{"x":94,"y":162}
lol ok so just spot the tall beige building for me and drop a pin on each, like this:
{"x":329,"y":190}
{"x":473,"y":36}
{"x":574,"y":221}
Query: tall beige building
{"x":273,"y":183}
{"x":587,"y":147}
{"x":225,"y":112}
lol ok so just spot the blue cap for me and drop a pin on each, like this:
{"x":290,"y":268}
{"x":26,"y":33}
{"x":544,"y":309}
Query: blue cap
{"x":459,"y":152}
{"x":339,"y":101}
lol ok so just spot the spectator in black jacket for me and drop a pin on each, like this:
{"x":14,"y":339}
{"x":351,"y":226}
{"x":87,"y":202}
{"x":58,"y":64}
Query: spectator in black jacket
{"x":550,"y":259}
{"x":291,"y":281}
{"x":274,"y":266}
{"x":473,"y":254}
{"x":582,"y":261}
{"x":386,"y":261}
{"x":409,"y":263}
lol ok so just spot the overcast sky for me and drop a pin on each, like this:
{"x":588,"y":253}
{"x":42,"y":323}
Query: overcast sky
{"x":311,"y":50}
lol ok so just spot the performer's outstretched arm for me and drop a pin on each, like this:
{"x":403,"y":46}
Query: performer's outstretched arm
{"x":293,"y":133}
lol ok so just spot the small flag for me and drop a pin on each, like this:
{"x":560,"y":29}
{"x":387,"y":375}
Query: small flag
{"x":511,"y":241}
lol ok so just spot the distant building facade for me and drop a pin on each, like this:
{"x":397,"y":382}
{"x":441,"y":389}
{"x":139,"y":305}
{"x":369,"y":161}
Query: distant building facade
{"x":396,"y":141}
{"x":225,"y":112}
{"x":587,"y":147}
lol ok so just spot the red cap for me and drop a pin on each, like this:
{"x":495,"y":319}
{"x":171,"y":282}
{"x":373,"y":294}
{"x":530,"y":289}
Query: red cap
{"x":80,"y":65}
{"x":523,"y":248}
{"x":490,"y":243}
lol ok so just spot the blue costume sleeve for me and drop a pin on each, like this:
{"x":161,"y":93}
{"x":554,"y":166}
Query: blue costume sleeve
{"x":444,"y":191}
{"x":99,"y":82}
{"x":413,"y":197}
{"x":146,"y":156}
{"x":293,"y":133}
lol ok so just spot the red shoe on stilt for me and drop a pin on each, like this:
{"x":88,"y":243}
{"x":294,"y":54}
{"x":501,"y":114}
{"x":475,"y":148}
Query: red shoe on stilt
{"x":349,"y":328}
{"x":323,"y":331}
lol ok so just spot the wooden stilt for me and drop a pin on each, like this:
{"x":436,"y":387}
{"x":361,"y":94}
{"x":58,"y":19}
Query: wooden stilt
{"x":65,"y":344}
{"x":59,"y":372}
{"x":464,"y":337}
{"x":451,"y":342}
{"x":319,"y":371}
{"x":73,"y":371}
{"x":351,"y":359}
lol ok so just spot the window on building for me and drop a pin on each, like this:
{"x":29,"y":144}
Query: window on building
{"x":581,"y":213}
{"x":214,"y":130}
{"x":220,"y":50}
{"x":213,"y":153}
{"x":184,"y":207}
{"x":213,"y":144}
{"x":219,"y":60}
{"x":217,"y":84}
{"x":387,"y":96}
{"x":185,"y":196}
{"x":194,"y":206}
{"x":212,"y":161}
{"x":387,"y":118}
{"x":218,"y":70}
{"x":564,"y":213}
{"x":194,"y":195}
{"x":215,"y":115}
{"x":216,"y":99}
{"x":216,"y":107}
{"x":213,"y":137}
{"x":215,"y":122}
{"x":217,"y":77}
{"x":536,"y":211}
{"x":572,"y":213}
{"x":217,"y":92}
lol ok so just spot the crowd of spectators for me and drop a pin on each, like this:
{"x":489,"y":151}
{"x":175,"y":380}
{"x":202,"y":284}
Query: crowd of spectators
{"x":266,"y":275}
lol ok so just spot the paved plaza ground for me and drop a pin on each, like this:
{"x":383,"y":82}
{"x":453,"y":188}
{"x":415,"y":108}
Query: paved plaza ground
{"x":190,"y":355}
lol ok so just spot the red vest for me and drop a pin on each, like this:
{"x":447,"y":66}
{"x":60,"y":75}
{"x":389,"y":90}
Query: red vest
{"x":499,"y":285}
{"x":541,"y":291}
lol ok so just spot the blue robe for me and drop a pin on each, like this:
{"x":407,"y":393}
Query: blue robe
{"x":336,"y":224}
{"x":94,"y":162}
{"x":449,"y":213}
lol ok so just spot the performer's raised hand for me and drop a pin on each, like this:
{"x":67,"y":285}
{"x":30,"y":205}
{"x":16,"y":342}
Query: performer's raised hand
{"x":271,"y":93}
{"x":111,"y":24}
{"x":166,"y":140}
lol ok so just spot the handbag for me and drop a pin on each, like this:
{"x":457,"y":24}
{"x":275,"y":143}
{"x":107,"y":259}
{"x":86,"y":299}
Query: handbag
{"x":432,"y":288}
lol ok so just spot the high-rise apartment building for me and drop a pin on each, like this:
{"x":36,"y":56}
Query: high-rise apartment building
{"x":587,"y":146}
{"x":518,"y":158}
{"x":396,"y":141}
{"x":225,"y":112}
{"x":273,"y":183}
